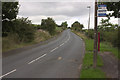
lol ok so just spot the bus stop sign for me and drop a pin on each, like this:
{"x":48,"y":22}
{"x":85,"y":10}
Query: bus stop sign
{"x":102,"y":9}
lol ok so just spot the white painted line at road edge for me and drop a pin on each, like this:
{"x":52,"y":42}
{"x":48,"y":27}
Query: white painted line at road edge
{"x":7,"y":73}
{"x":37,"y":58}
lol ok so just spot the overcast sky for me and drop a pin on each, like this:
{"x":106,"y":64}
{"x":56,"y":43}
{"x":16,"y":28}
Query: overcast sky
{"x":60,"y":12}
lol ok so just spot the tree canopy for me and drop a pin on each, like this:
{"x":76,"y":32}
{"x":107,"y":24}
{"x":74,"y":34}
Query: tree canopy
{"x":9,"y":13}
{"x":113,"y":6}
{"x":64,"y":24}
{"x":77,"y":26}
{"x":9,"y":10}
{"x":49,"y":25}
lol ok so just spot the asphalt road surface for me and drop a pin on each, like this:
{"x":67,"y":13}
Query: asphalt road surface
{"x":60,"y":58}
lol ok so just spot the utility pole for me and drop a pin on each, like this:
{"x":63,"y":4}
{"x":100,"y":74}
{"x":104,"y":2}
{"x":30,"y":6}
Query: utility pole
{"x":89,"y":17}
{"x":95,"y":37}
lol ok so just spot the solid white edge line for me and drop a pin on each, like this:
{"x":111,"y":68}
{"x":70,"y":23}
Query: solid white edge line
{"x":37,"y":58}
{"x":8,"y":73}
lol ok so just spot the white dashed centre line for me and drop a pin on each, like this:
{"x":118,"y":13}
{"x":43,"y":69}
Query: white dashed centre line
{"x":7,"y":73}
{"x":54,"y":49}
{"x":37,"y":58}
{"x":62,"y":44}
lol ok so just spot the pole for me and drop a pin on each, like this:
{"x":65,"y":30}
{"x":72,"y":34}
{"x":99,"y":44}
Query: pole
{"x":98,"y":41}
{"x":89,"y":20}
{"x":95,"y":38}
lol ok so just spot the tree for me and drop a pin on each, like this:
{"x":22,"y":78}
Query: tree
{"x":9,"y":10}
{"x":24,"y":29}
{"x":49,"y":25}
{"x":108,"y":32}
{"x":9,"y":13}
{"x":77,"y":26}
{"x":64,"y":24}
{"x":113,"y":6}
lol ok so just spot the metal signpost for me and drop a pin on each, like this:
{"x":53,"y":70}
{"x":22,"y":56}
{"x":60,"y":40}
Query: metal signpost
{"x":100,"y":11}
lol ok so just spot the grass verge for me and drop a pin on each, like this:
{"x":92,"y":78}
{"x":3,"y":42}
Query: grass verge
{"x":107,"y":47}
{"x":104,"y":46}
{"x":87,"y":68}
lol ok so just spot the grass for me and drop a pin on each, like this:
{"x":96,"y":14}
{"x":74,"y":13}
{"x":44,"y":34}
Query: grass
{"x":104,"y":46}
{"x":107,"y":47}
{"x":89,"y":44}
{"x":88,"y":60}
{"x":88,"y":63}
{"x":92,"y":73}
{"x":87,"y":68}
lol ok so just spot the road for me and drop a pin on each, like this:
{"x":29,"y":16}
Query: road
{"x":60,"y":58}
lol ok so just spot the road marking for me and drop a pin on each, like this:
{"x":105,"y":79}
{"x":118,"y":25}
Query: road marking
{"x":8,"y":73}
{"x":54,"y":49}
{"x":62,"y":44}
{"x":67,"y":40}
{"x":59,"y":58}
{"x":41,"y":56}
{"x":37,"y":58}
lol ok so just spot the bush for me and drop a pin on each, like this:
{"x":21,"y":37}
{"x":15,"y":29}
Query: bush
{"x":24,"y":29}
{"x":111,"y":37}
{"x":90,"y":33}
{"x":106,"y":35}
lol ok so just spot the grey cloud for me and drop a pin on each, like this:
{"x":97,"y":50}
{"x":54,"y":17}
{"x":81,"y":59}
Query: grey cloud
{"x":59,"y":11}
{"x":53,"y":8}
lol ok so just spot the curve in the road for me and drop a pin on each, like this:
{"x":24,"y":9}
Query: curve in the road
{"x":60,"y":58}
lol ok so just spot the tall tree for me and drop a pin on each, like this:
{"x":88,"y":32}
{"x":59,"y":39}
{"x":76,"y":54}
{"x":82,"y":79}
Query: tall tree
{"x":77,"y":26}
{"x":113,"y":6}
{"x":9,"y":13}
{"x":64,"y":24}
{"x":9,"y":10}
{"x":49,"y":25}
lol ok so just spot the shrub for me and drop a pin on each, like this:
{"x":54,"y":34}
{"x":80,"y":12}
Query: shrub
{"x":90,"y":33}
{"x":106,"y":35}
{"x":24,"y":29}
